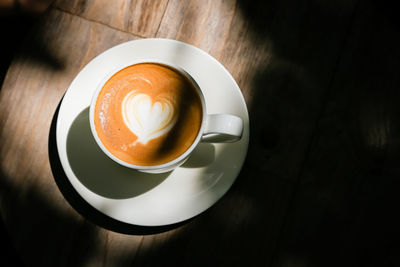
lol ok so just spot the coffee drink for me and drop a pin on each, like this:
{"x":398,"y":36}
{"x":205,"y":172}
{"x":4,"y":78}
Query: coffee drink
{"x":148,"y":114}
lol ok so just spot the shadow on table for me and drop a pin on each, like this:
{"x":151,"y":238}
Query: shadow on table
{"x":32,"y":219}
{"x":8,"y":254}
{"x":19,"y":34}
{"x":85,"y":156}
{"x":325,"y":118}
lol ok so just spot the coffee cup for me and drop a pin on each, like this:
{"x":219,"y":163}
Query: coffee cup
{"x":150,"y":116}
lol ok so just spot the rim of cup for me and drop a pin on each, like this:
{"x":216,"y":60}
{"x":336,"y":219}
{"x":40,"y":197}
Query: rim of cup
{"x":150,"y":167}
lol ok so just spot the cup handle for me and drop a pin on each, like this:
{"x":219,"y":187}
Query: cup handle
{"x":222,"y":128}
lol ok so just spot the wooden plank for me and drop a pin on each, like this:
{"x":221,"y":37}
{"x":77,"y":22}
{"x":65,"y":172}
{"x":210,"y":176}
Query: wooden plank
{"x":36,"y":214}
{"x":344,"y":209}
{"x":205,"y":24}
{"x":139,"y":17}
{"x":283,"y":55}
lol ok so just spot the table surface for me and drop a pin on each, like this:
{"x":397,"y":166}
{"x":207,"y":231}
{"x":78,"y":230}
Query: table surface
{"x":320,"y":183}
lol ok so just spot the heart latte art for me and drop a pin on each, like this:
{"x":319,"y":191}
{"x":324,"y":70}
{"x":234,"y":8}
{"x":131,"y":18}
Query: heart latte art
{"x":147,"y":114}
{"x":147,"y":120}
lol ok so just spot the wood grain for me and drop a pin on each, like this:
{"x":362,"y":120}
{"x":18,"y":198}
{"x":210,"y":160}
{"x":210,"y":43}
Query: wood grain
{"x":140,"y":17}
{"x":320,"y":83}
{"x":205,"y":24}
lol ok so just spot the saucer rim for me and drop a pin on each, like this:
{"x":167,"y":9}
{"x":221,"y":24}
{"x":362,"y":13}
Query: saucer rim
{"x":61,"y":146}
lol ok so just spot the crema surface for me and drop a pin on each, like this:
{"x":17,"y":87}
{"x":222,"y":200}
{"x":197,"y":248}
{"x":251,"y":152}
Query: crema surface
{"x":147,"y":114}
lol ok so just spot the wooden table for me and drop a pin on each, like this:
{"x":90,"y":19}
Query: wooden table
{"x":321,"y":180}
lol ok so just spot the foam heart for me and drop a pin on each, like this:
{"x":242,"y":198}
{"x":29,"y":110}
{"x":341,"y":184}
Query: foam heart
{"x":147,"y":120}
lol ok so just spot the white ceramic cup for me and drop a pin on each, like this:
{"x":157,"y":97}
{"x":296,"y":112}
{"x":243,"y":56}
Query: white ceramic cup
{"x":214,"y":127}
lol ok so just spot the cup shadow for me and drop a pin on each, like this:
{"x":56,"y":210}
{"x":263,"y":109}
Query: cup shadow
{"x":98,"y":172}
{"x":84,"y":155}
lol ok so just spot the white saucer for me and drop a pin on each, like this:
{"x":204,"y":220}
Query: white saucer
{"x":147,"y":199}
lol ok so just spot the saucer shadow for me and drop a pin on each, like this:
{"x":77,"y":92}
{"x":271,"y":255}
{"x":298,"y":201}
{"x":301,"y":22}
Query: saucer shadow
{"x":97,"y":171}
{"x":202,"y":156}
{"x":77,"y":202}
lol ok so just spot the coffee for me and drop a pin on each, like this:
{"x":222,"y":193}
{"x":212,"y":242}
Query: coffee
{"x":148,"y":114}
